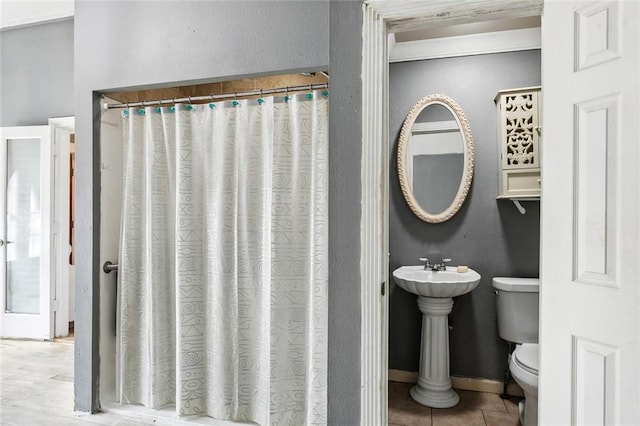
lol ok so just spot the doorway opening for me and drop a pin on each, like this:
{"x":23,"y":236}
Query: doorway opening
{"x":63,"y":181}
{"x":37,"y":291}
{"x":380,"y":20}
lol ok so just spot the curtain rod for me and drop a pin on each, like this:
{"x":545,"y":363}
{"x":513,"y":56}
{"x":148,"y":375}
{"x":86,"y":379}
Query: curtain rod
{"x":234,"y":95}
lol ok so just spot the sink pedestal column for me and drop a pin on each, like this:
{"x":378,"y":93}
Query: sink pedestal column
{"x":434,"y":384}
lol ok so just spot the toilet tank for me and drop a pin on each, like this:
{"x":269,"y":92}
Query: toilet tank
{"x":517,"y":301}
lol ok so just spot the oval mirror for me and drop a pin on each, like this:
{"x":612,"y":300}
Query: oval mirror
{"x":435,"y":158}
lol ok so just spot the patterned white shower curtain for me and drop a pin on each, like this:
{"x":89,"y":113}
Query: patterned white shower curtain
{"x":223,"y":269}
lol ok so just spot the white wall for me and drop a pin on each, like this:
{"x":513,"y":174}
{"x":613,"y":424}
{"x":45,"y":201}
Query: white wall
{"x":36,"y":74}
{"x":111,"y":200}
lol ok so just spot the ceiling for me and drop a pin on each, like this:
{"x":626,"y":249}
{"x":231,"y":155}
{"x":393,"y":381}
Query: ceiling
{"x":21,"y":13}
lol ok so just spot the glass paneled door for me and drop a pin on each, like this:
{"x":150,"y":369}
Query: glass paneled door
{"x":25,"y":205}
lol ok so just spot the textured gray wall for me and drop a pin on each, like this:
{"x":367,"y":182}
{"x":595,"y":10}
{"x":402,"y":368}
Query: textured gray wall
{"x":36,"y":74}
{"x":345,"y":135}
{"x":135,"y":44}
{"x":488,"y":235}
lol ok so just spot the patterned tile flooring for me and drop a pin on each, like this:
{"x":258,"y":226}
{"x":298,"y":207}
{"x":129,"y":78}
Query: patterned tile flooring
{"x":475,"y":408}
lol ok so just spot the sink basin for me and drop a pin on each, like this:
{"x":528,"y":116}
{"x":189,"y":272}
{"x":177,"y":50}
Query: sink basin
{"x":449,"y":283}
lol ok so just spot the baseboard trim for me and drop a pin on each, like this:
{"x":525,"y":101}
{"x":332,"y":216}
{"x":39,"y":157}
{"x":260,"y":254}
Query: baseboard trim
{"x":403,"y":376}
{"x":462,"y":383}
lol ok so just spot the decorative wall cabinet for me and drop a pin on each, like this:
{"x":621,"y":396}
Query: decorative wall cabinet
{"x":519,"y":138}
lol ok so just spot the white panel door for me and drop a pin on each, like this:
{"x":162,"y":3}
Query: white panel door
{"x":590,"y":256}
{"x":25,"y":207}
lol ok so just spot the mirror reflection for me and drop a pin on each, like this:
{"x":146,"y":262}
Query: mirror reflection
{"x":435,"y":158}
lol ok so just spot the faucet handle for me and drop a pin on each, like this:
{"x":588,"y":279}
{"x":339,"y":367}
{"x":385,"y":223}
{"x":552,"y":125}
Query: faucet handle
{"x":427,"y":265}
{"x":443,"y":265}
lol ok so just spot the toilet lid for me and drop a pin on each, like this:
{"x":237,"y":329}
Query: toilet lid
{"x":526,"y":356}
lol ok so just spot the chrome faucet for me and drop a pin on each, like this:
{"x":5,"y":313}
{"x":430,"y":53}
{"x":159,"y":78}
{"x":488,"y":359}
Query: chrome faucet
{"x":442,"y":266}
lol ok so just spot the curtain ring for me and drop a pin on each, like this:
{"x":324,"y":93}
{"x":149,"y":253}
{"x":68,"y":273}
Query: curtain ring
{"x":189,"y":98}
{"x":142,"y":104}
{"x":211,"y":96}
{"x":159,"y":103}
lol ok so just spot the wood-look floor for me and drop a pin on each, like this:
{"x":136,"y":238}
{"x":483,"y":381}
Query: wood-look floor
{"x":36,"y":388}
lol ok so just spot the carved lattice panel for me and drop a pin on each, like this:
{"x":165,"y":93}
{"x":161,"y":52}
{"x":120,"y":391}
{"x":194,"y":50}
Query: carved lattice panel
{"x":520,"y":121}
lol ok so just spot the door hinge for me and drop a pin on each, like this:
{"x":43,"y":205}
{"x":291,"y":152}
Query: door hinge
{"x":55,"y":305}
{"x":383,"y":290}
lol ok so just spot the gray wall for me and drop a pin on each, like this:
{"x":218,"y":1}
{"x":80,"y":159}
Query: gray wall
{"x":36,"y":74}
{"x":345,"y":136}
{"x":134,"y":44}
{"x":488,"y":235}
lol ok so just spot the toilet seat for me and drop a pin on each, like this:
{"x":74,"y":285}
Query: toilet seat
{"x":526,"y":357}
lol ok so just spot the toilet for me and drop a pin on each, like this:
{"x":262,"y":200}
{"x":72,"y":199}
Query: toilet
{"x":517,"y":307}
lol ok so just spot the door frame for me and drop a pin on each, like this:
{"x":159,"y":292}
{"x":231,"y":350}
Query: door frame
{"x":61,"y":129}
{"x":381,"y":18}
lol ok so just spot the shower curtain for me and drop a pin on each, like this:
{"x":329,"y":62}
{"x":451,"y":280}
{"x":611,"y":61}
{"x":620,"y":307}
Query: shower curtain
{"x":223,"y":269}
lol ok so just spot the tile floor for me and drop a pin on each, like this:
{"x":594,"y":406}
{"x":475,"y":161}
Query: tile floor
{"x":475,"y":408}
{"x":36,"y":387}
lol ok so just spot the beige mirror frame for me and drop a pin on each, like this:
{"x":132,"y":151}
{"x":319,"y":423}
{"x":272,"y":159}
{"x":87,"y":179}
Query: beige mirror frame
{"x":467,"y":173}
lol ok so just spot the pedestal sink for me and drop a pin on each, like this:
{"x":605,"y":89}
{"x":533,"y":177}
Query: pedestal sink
{"x":435,"y":290}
